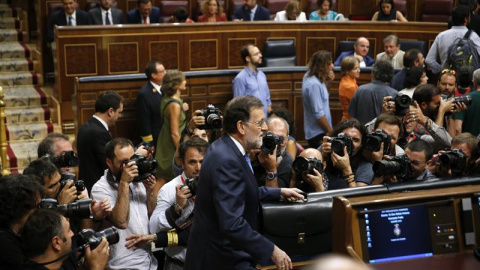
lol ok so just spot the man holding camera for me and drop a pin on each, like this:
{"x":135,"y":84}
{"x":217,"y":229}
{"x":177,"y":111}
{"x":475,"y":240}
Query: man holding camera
{"x":308,"y":170}
{"x":224,"y":233}
{"x":56,"y":145}
{"x":173,"y":214}
{"x":273,"y":168}
{"x":418,"y":153}
{"x":133,"y":202}
{"x":47,"y":240}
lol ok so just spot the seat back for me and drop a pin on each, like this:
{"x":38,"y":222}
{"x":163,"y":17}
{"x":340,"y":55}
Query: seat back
{"x":406,"y":45}
{"x":401,"y":5}
{"x":275,"y":6}
{"x":279,"y":53}
{"x":167,"y":7}
{"x":437,"y":10}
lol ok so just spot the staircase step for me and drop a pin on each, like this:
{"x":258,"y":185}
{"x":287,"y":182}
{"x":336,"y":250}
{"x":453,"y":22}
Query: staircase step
{"x":20,"y":96}
{"x":8,"y":12}
{"x":36,"y":131}
{"x":14,"y":50}
{"x":20,"y":154}
{"x":18,"y":78}
{"x":13,"y":65}
{"x":9,"y":23}
{"x":27,"y":115}
{"x":10,"y":35}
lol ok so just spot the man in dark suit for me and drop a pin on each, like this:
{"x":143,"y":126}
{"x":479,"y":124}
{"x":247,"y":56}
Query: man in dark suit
{"x":94,"y":134}
{"x":361,"y":47}
{"x":148,"y":103}
{"x":251,"y":11}
{"x":224,"y":233}
{"x":105,"y":14}
{"x":68,"y":16}
{"x":145,"y":13}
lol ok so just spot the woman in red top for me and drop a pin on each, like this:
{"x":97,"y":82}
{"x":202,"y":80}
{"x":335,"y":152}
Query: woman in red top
{"x":212,"y":12}
{"x":350,"y":68}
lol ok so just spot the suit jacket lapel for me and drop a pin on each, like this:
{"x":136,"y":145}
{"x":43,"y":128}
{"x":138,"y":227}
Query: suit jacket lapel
{"x":241,"y":158}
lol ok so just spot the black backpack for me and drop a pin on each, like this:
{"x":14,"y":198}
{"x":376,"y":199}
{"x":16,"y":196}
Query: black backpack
{"x":463,"y":53}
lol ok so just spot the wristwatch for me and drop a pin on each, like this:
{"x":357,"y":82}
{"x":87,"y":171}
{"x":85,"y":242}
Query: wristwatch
{"x":271,"y":176}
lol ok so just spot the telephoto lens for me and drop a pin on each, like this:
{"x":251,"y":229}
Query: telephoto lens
{"x":93,"y":239}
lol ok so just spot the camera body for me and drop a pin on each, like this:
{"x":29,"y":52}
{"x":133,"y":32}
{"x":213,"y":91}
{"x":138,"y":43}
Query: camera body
{"x":464,"y":99}
{"x":270,"y":142}
{"x":66,"y":159}
{"x":454,"y":159}
{"x":79,"y":209}
{"x":91,"y":238}
{"x":399,"y":166}
{"x":373,"y":141}
{"x":79,"y":184}
{"x":192,"y":184}
{"x":339,"y":142}
{"x":145,"y":166}
{"x":303,"y":165}
{"x":212,"y":118}
{"x":402,"y":104}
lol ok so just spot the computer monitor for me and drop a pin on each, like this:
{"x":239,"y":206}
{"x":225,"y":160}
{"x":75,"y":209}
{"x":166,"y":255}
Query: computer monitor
{"x":401,"y":232}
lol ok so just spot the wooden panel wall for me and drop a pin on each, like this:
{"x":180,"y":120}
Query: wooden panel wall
{"x":110,"y":50}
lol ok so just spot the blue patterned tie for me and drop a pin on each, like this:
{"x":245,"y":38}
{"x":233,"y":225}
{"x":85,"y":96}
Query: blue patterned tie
{"x":107,"y":20}
{"x":70,"y":21}
{"x":247,"y":159}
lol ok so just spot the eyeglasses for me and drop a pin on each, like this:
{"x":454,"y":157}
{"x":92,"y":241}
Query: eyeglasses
{"x":451,"y":71}
{"x":257,"y":123}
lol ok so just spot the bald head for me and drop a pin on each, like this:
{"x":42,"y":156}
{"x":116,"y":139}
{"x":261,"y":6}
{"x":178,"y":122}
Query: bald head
{"x":362,"y":45}
{"x":337,"y":262}
{"x":279,"y":127}
{"x":311,"y":152}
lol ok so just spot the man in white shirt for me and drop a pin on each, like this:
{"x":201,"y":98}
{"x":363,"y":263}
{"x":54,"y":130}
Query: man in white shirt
{"x":67,"y":16}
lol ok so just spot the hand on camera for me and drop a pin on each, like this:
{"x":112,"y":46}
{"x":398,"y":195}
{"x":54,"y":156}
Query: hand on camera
{"x":197,"y":120}
{"x":68,"y":194}
{"x":388,"y":105}
{"x":150,"y":182}
{"x":459,"y":106}
{"x":315,"y":180}
{"x":415,"y":114}
{"x":268,"y":161}
{"x":446,"y":106}
{"x":373,"y":156}
{"x":100,"y":209}
{"x":144,"y":151}
{"x":129,"y":171}
{"x":97,"y":259}
{"x":342,"y":163}
{"x":182,"y":195}
{"x":326,"y":146}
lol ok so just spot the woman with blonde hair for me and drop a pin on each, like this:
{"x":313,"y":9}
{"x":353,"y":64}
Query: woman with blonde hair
{"x":350,"y":69}
{"x":291,"y":13}
{"x":212,"y":11}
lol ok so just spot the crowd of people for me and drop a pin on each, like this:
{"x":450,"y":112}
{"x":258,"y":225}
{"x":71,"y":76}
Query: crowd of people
{"x":193,"y":184}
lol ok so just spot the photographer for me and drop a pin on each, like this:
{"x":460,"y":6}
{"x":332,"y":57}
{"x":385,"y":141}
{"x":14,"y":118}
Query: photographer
{"x":273,"y":169}
{"x":346,"y":167}
{"x":133,"y":201}
{"x":461,"y":159}
{"x":466,"y":121}
{"x":55,"y":145}
{"x":175,"y":207}
{"x":47,"y":240}
{"x":313,"y":179}
{"x":19,"y":196}
{"x":419,"y":152}
{"x":64,"y":191}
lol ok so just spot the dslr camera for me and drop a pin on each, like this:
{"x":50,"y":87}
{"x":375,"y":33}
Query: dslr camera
{"x":402,"y":104}
{"x":464,"y":99}
{"x":145,"y":166}
{"x":79,"y":209}
{"x":192,"y":184}
{"x":399,"y":166}
{"x":212,"y":118}
{"x":66,"y":159}
{"x":303,"y":165}
{"x":270,"y":142}
{"x":88,"y":237}
{"x":373,"y":141}
{"x":339,"y":142}
{"x":79,"y":184}
{"x":455,"y":160}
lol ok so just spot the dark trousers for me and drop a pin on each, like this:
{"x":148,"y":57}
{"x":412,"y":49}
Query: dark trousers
{"x":316,"y":141}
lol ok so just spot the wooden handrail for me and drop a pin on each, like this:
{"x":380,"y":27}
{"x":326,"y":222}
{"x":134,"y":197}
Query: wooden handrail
{"x":3,"y":135}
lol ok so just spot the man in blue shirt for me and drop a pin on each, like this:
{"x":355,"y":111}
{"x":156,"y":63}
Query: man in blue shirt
{"x":251,"y":81}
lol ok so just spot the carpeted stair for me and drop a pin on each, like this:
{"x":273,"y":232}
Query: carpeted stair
{"x":27,"y":105}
